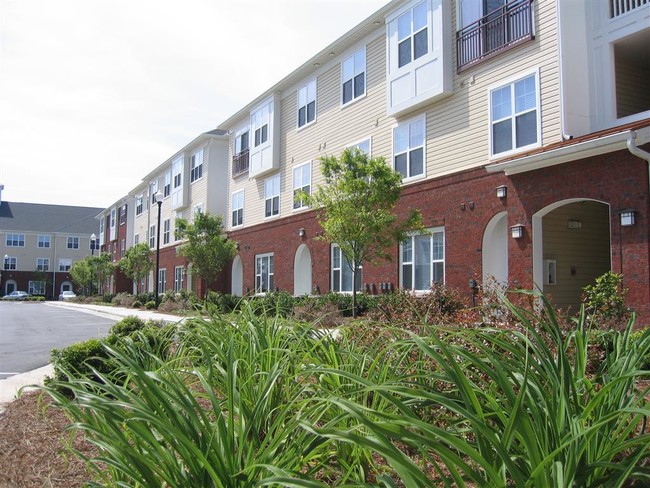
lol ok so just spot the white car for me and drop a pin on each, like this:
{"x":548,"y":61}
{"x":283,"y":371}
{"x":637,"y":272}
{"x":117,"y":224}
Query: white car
{"x":67,"y":295}
{"x":16,"y":295}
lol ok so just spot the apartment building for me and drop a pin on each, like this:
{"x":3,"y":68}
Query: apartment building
{"x":39,"y":243}
{"x":521,"y":129}
{"x":192,"y":180}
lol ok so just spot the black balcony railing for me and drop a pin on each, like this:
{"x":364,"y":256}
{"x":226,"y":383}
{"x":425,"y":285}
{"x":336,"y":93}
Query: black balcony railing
{"x":240,"y":163}
{"x":498,"y":30}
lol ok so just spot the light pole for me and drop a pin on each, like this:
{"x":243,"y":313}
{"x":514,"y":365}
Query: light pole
{"x":159,"y":199}
{"x":5,"y":268}
{"x":93,"y":239}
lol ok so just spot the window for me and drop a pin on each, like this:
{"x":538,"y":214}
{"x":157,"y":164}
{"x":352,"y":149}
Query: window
{"x":178,"y":278}
{"x":93,"y":245}
{"x":422,"y":260}
{"x":123,"y":214}
{"x":122,"y":248}
{"x":342,"y":272}
{"x":241,"y":158}
{"x":177,"y":232}
{"x":162,"y":279}
{"x":177,"y":182}
{"x":363,"y":146}
{"x":42,"y":264}
{"x":36,"y":288}
{"x":260,"y":120}
{"x":197,"y":209}
{"x":138,"y":205}
{"x":408,"y":148}
{"x":112,"y":225}
{"x":44,"y":241}
{"x":196,"y":166}
{"x":263,"y":273}
{"x":514,"y":115}
{"x":136,"y":239}
{"x":301,"y":181}
{"x":152,"y":236}
{"x":166,"y":231}
{"x":168,"y":184}
{"x":272,"y":196}
{"x":153,"y":189}
{"x":15,"y":240}
{"x":412,"y":35}
{"x":65,"y":264}
{"x":10,"y":263}
{"x":354,"y":76}
{"x":307,"y":104}
{"x":264,"y":154}
{"x":238,"y":208}
{"x":73,"y":243}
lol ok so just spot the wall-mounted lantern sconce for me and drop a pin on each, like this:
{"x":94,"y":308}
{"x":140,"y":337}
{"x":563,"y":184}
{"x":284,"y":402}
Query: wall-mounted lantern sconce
{"x":575,"y":224}
{"x":517,"y":231}
{"x":628,"y":217}
{"x":502,"y":191}
{"x":301,"y":232}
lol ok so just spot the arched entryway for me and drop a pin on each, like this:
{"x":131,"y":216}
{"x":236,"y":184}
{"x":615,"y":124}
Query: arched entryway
{"x":66,"y":286}
{"x":237,"y":277}
{"x":10,"y":286}
{"x":495,"y":251}
{"x":302,"y":271}
{"x":571,"y":248}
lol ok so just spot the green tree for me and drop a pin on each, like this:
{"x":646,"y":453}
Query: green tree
{"x":89,"y":272}
{"x":356,"y":209}
{"x":82,"y":274}
{"x":208,"y":248}
{"x":137,"y":263}
{"x":102,"y":267}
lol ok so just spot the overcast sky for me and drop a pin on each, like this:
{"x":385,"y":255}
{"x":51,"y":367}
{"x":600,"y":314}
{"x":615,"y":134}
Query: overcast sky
{"x":94,"y":94}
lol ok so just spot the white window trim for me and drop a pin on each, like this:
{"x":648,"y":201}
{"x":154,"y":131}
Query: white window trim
{"x":365,"y":77}
{"x":360,"y":141}
{"x":293,"y":186}
{"x":269,"y":217}
{"x":424,"y":147}
{"x":178,"y":284}
{"x":232,"y":208}
{"x":261,"y":256}
{"x":430,"y":232}
{"x":11,"y":260}
{"x":139,"y":204}
{"x":46,"y":238}
{"x":63,"y":262}
{"x":343,"y":264}
{"x":194,"y":155}
{"x":45,"y":264}
{"x":71,"y":240}
{"x":510,"y":81}
{"x":15,"y":237}
{"x":298,"y":107}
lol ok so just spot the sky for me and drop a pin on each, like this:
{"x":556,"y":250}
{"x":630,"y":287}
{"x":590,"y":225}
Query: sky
{"x":95,"y":94}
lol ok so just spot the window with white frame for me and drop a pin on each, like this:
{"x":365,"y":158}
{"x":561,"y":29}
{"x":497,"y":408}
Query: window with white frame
{"x":44,"y":241}
{"x":178,"y":278}
{"x":264,"y":273}
{"x":408,"y":148}
{"x":152,"y":236}
{"x":73,"y":243}
{"x":42,"y":264}
{"x":168,"y":184}
{"x":196,"y":166}
{"x":514,"y":115}
{"x":177,"y":183}
{"x":162,"y":279}
{"x":93,"y":245}
{"x":123,"y":210}
{"x":301,"y":182}
{"x":138,"y":204}
{"x":341,"y":272}
{"x":412,"y":34}
{"x":136,"y":239}
{"x":101,"y":231}
{"x":112,"y":225}
{"x":363,"y":146}
{"x":238,"y":208}
{"x":36,"y":288}
{"x":353,"y":74}
{"x":10,"y":263}
{"x":260,"y":123}
{"x":422,"y":260}
{"x":153,"y":189}
{"x":166,"y":231}
{"x":272,"y":196}
{"x":65,"y":264}
{"x":307,"y":104}
{"x":15,"y":240}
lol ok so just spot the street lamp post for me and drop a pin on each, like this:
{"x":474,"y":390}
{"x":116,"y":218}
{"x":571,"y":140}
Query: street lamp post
{"x":93,"y":239}
{"x":5,"y":268}
{"x":159,"y":199}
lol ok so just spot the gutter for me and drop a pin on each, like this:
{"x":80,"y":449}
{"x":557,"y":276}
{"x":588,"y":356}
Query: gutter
{"x":638,"y":152}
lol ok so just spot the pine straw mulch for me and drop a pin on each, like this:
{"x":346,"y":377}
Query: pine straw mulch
{"x":33,"y":446}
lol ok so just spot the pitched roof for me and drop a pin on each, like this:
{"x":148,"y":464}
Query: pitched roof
{"x":37,"y":217}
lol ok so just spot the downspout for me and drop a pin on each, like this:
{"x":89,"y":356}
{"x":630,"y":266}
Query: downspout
{"x":638,"y":152}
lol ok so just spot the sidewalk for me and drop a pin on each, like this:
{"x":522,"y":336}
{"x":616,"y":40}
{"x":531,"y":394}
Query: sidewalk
{"x":9,"y":387}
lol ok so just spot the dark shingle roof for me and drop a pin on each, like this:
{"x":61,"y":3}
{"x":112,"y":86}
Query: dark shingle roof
{"x":37,"y":217}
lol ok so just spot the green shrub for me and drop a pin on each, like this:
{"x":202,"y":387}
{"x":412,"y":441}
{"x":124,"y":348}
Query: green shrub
{"x":605,"y":299}
{"x":123,"y":299}
{"x":126,"y":326}
{"x":151,"y":305}
{"x":225,"y":303}
{"x":80,"y":359}
{"x":136,"y":304}
{"x":35,"y":298}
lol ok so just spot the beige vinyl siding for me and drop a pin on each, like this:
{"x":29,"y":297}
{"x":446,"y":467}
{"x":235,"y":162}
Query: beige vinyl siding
{"x":586,"y":250}
{"x":632,"y":94}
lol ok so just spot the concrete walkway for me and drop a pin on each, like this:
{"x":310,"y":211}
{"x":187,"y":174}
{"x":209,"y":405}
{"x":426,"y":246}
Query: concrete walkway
{"x":10,"y":387}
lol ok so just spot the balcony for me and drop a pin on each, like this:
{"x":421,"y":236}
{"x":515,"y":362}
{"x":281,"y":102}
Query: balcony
{"x":240,"y":163}
{"x":621,"y":7}
{"x":498,"y":31}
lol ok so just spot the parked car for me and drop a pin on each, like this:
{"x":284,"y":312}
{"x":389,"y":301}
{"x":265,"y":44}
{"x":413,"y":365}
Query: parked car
{"x":67,"y":295}
{"x":16,"y":295}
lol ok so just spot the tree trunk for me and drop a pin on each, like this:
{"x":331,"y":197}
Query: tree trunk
{"x":355,"y":270}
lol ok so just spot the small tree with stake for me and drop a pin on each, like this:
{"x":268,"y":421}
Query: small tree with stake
{"x":207,"y":248}
{"x":137,"y":263}
{"x":356,"y":209}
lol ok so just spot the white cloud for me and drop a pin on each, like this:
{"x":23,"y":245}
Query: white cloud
{"x":94,"y":94}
